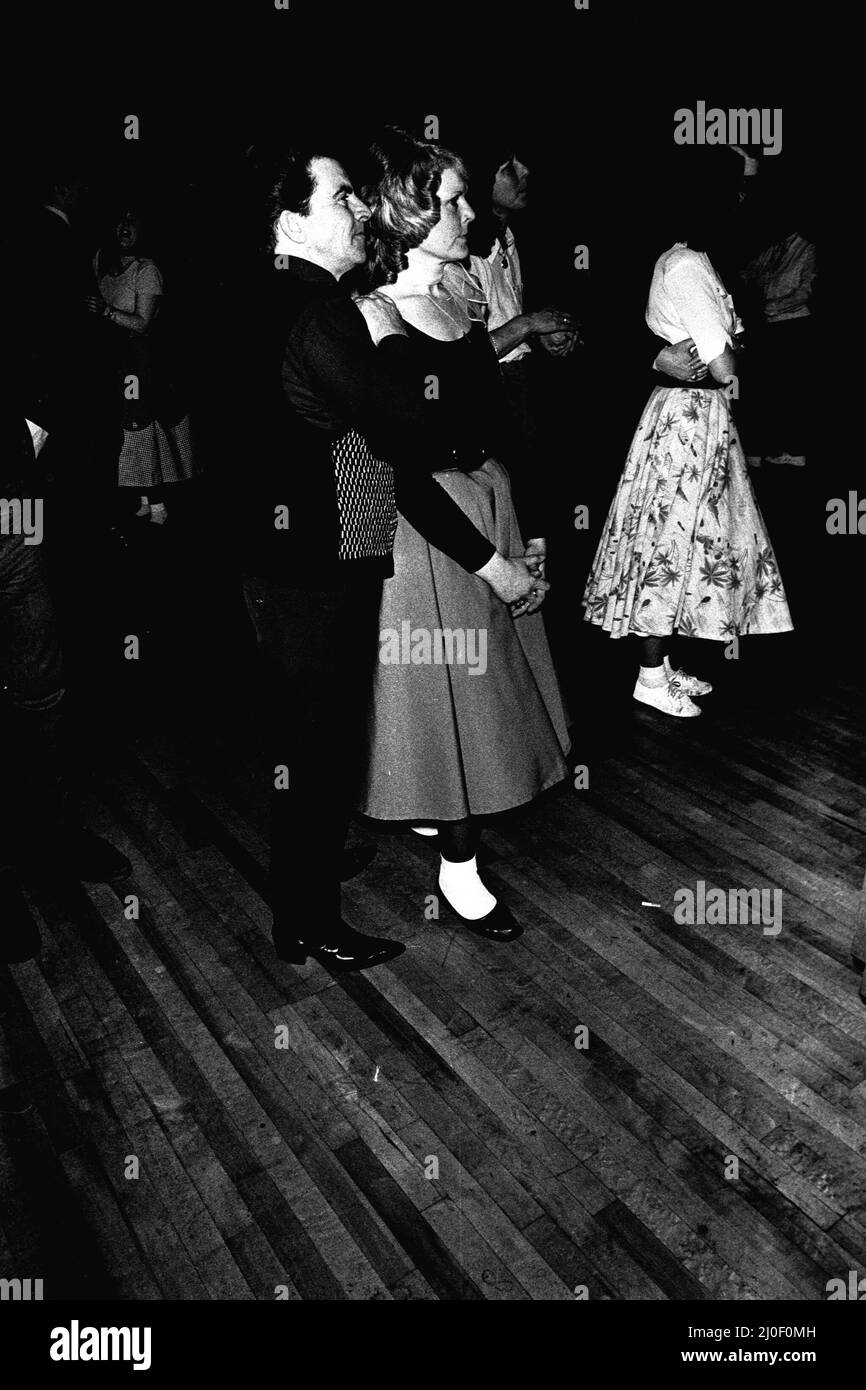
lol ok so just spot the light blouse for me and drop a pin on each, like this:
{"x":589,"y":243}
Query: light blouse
{"x":688,"y":300}
{"x":141,"y":277}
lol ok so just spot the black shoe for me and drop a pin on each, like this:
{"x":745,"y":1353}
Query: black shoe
{"x":19,"y":934}
{"x":497,"y":925}
{"x":88,"y":856}
{"x":355,"y":861}
{"x":342,"y":949}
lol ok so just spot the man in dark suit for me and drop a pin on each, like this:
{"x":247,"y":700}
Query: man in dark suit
{"x":346,"y":447}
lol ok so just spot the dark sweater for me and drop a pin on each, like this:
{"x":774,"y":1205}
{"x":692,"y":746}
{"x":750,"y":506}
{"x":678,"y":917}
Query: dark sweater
{"x":346,"y":425}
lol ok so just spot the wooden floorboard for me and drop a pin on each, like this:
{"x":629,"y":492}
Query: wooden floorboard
{"x":183,"y":1116}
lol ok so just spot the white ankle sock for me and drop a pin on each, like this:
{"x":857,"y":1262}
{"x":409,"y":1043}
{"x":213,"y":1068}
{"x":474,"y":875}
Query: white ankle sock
{"x":669,"y":670}
{"x":464,"y":890}
{"x":653,"y":675}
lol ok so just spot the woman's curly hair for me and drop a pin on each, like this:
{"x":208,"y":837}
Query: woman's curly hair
{"x":400,"y":186}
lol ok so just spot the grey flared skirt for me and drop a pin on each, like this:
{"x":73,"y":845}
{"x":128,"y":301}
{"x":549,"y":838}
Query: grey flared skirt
{"x":466,"y":716}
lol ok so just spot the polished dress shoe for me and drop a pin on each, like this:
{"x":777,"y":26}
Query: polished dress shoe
{"x":355,"y":861}
{"x":497,"y":925}
{"x":341,"y":948}
{"x":19,"y":934}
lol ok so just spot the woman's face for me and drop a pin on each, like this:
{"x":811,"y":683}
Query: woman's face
{"x":127,"y":232}
{"x":447,"y":240}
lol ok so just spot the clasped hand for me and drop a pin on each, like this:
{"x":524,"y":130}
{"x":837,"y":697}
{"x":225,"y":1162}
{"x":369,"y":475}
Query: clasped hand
{"x":535,"y":558}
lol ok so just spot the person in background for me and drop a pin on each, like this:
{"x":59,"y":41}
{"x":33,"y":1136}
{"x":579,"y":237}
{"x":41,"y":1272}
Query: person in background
{"x":778,"y":289}
{"x":41,"y":835}
{"x":491,"y":280}
{"x":157,"y":449}
{"x":64,"y":348}
{"x":684,"y":549}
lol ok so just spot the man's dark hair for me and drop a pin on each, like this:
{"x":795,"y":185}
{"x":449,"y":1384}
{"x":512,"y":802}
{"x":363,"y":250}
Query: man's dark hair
{"x":286,"y":181}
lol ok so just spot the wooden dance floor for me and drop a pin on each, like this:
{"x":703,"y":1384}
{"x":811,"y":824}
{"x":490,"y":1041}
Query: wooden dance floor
{"x":184,"y":1117}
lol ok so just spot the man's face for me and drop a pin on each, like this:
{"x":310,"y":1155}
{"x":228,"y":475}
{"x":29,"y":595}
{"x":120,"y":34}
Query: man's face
{"x":332,"y":233}
{"x":447,"y":240}
{"x":511,"y":186}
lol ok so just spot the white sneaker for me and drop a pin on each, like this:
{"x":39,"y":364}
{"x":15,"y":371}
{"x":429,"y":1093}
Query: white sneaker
{"x":669,"y":697}
{"x":691,"y":685}
{"x":424,"y":829}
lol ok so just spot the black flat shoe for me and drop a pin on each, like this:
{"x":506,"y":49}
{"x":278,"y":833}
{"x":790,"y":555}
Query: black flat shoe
{"x":355,"y":861}
{"x":19,"y":934}
{"x":497,"y":925}
{"x":341,"y":950}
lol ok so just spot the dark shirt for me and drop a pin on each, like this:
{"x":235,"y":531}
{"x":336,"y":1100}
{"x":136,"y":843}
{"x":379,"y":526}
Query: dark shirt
{"x":345,"y":406}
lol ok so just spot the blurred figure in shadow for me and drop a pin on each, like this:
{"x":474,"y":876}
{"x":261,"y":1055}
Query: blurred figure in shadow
{"x":778,"y":391}
{"x":156,"y":457}
{"x":778,"y":283}
{"x":41,"y":837}
{"x":64,"y":347}
{"x":157,"y":449}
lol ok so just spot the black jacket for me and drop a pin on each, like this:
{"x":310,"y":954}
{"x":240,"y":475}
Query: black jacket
{"x":318,"y":378}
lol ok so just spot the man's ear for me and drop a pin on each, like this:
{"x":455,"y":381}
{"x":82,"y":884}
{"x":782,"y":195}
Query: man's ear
{"x":290,"y":225}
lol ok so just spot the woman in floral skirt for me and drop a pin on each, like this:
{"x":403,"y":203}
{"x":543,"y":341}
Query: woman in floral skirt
{"x":684,"y":548}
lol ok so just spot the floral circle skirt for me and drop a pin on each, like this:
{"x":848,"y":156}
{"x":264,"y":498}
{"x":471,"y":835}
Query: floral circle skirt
{"x":684,"y":548}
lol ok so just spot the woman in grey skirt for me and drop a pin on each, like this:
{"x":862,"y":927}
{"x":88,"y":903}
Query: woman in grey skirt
{"x":466,"y":718}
